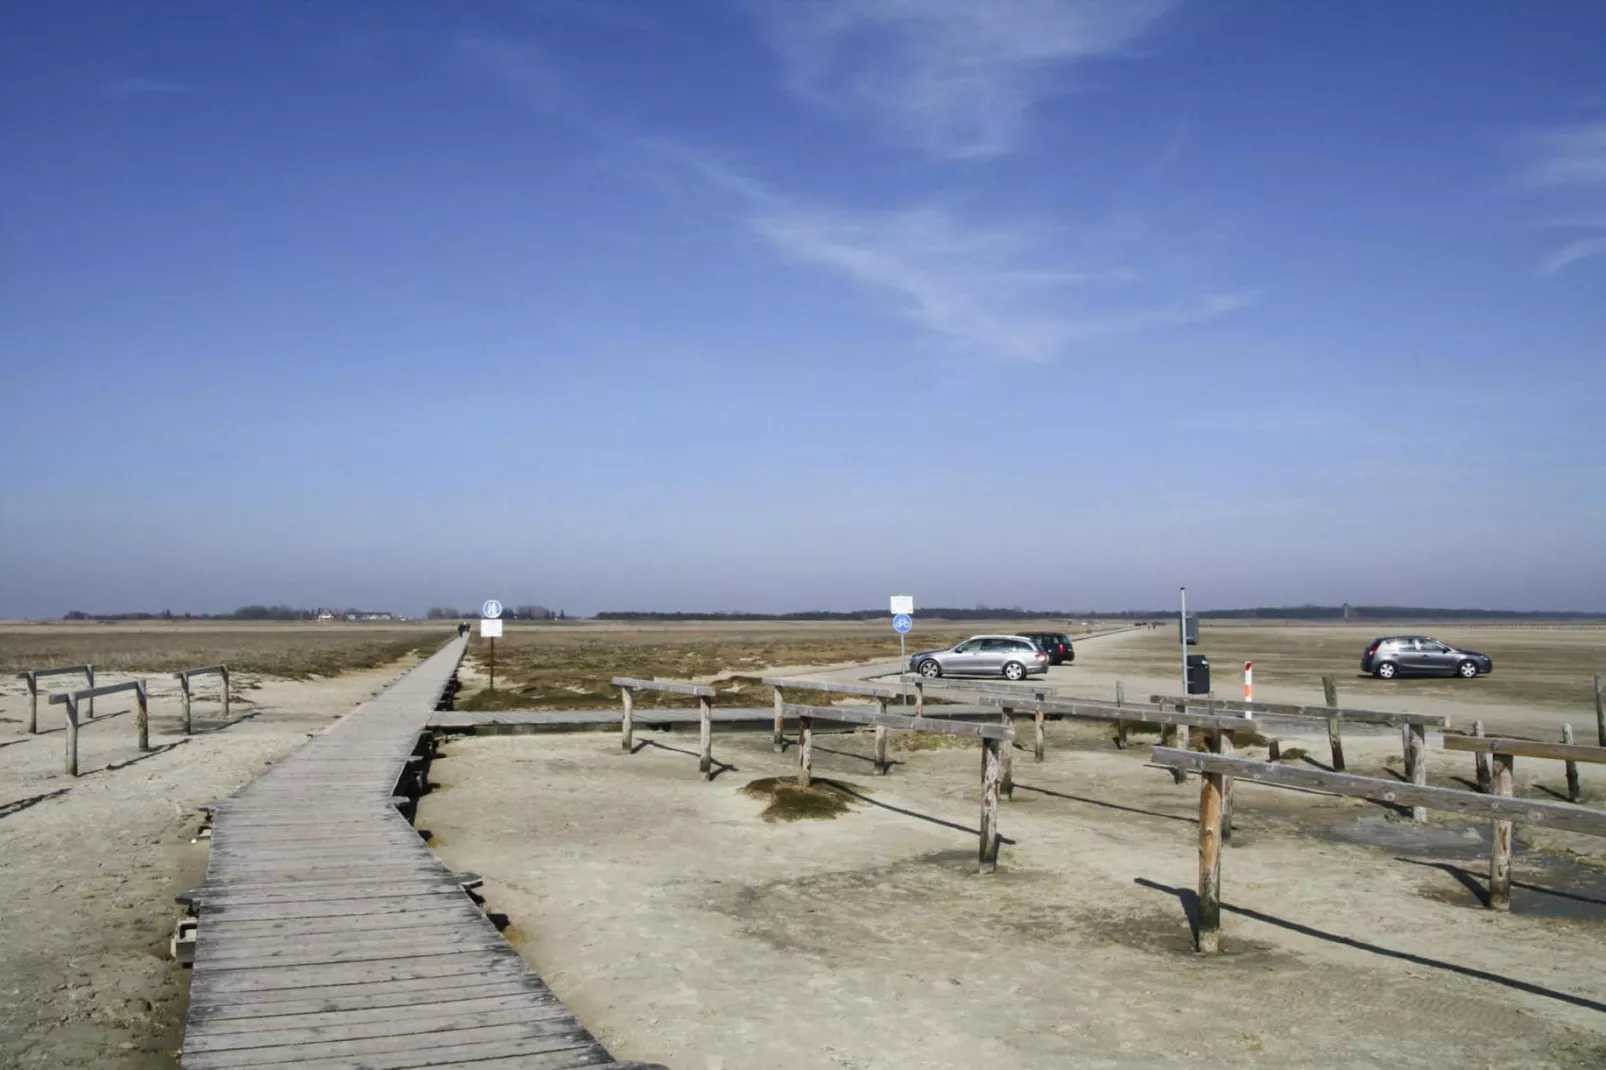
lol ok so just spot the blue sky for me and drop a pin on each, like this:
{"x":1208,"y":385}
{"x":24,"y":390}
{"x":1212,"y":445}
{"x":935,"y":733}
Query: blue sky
{"x":778,"y":305}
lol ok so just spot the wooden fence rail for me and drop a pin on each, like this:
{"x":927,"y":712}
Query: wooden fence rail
{"x":976,"y":686}
{"x":1505,"y":751}
{"x":1502,"y":809}
{"x":1413,"y":726}
{"x":71,"y":700}
{"x":183,"y":678}
{"x":32,"y":677}
{"x":993,"y":738}
{"x":629,"y":685}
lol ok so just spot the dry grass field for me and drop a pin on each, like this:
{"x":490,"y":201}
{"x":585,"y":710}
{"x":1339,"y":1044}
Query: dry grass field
{"x":544,"y":666}
{"x":292,"y":651}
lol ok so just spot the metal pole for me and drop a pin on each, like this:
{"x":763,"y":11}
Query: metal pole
{"x":1183,"y":635}
{"x":903,"y":667}
{"x":493,"y":663}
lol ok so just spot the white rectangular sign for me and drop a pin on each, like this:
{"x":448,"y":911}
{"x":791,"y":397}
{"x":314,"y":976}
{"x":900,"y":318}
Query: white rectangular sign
{"x":903,"y":603}
{"x":490,"y":629}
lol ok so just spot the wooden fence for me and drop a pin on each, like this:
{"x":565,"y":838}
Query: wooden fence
{"x":1506,"y":751}
{"x":882,"y":694}
{"x":71,"y":700}
{"x":629,"y":685}
{"x":975,"y":686}
{"x":32,"y":677}
{"x":994,"y":737}
{"x":183,"y":679}
{"x":1218,"y":771}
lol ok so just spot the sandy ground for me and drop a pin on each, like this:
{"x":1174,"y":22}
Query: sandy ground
{"x":92,"y":864}
{"x":684,"y":929}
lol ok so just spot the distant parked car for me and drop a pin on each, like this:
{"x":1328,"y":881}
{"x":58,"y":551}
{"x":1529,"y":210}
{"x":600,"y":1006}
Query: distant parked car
{"x":1057,"y":645}
{"x":1014,"y":657}
{"x":1418,"y":655}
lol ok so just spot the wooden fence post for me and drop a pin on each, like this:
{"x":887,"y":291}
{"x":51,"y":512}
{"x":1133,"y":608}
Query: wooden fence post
{"x":72,"y":736}
{"x":805,"y":749}
{"x":142,"y":717}
{"x":1006,"y":786}
{"x":89,"y":674}
{"x":920,"y":698}
{"x":991,"y":777}
{"x":1038,"y":741}
{"x":705,"y":729}
{"x":1211,"y":792}
{"x":881,"y":740}
{"x":778,"y":741}
{"x":184,"y":688}
{"x":1182,"y":744}
{"x":225,"y":693}
{"x":1600,"y":713}
{"x":1481,"y":762}
{"x":1419,"y":766}
{"x":1572,"y":767}
{"x":1334,"y":739}
{"x":33,"y":704}
{"x":1405,"y":748}
{"x":1500,"y":854}
{"x":627,"y":720}
{"x":1223,"y":745}
{"x":1120,"y":726}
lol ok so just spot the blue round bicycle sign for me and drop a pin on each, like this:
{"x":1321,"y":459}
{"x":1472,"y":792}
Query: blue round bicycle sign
{"x":491,"y":609}
{"x":902,"y":623}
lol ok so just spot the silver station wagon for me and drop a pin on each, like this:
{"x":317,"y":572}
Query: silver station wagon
{"x":1014,"y":657}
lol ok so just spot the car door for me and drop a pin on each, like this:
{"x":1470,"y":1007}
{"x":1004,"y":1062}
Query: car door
{"x":962,"y":658}
{"x":1437,"y":658}
{"x":1411,"y":659}
{"x":994,"y":652}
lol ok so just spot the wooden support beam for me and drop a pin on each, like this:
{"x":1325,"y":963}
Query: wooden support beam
{"x":1335,"y":741}
{"x":705,"y":738}
{"x":72,"y":735}
{"x":142,"y":718}
{"x":1120,"y":725}
{"x":1320,"y":713}
{"x":1006,"y":783}
{"x":778,"y":740}
{"x":1039,"y":740}
{"x":1500,"y":853}
{"x":840,"y":687}
{"x":627,"y":720}
{"x":1480,"y":760}
{"x":1221,"y":743}
{"x":991,"y":777}
{"x":1419,"y":766}
{"x":805,"y":750}
{"x":866,"y":716}
{"x":1212,"y":794}
{"x":672,"y":687}
{"x":1600,"y":711}
{"x":1572,"y":766}
{"x":881,"y":739}
{"x":1559,"y":815}
{"x":1182,"y":744}
{"x":33,"y":702}
{"x":1526,"y":748}
{"x":184,"y":687}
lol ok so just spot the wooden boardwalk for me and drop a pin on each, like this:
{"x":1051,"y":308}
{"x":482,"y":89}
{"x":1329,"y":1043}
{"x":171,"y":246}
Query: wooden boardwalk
{"x":331,"y":937}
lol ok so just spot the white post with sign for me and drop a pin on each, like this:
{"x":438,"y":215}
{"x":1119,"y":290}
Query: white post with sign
{"x":491,"y":628}
{"x":903,"y":613}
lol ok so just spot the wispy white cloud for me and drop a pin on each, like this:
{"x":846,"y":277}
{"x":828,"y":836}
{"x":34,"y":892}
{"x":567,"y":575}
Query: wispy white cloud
{"x":1571,"y":160}
{"x":1569,"y":156}
{"x":988,"y":288}
{"x":955,"y":78}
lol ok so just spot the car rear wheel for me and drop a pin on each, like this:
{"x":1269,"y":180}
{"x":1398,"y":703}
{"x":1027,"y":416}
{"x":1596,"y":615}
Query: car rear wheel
{"x":1386,"y":671}
{"x":930,"y":669}
{"x":1467,"y":670}
{"x":1014,"y":671}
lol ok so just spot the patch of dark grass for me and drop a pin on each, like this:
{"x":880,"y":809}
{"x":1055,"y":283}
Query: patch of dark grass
{"x":786,"y":801}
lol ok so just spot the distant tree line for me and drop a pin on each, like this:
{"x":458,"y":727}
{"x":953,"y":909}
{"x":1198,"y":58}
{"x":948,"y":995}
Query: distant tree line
{"x":513,"y":613}
{"x":243,"y":613}
{"x":1336,"y":613}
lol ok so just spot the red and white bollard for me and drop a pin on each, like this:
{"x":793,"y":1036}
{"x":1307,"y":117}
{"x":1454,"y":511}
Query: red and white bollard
{"x":1249,"y":681}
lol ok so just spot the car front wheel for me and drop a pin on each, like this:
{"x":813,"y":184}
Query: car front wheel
{"x":930,"y":669}
{"x":1386,"y":671}
{"x":1014,"y":671}
{"x":1467,"y":670}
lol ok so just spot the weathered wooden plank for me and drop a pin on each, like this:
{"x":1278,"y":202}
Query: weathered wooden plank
{"x":1335,"y":738}
{"x":1522,"y":811}
{"x":839,"y":687}
{"x":59,"y":697}
{"x":424,"y":1020}
{"x":866,"y":716}
{"x":991,"y":778}
{"x":1212,"y":793}
{"x":443,"y":1048}
{"x":673,"y":687}
{"x":1572,"y":766}
{"x":1525,"y":748}
{"x":397,"y":999}
{"x":1283,"y":709}
{"x":1092,"y":710}
{"x":1500,"y":848}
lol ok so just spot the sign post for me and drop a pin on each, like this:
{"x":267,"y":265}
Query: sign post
{"x":490,"y":628}
{"x":903,"y":610}
{"x":1183,"y":630}
{"x":1249,"y":681}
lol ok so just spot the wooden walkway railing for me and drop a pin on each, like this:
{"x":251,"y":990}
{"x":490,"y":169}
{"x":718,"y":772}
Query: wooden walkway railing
{"x":330,"y":936}
{"x":1506,"y":751}
{"x":31,"y":676}
{"x":183,"y":677}
{"x":629,"y":685}
{"x":71,"y":699}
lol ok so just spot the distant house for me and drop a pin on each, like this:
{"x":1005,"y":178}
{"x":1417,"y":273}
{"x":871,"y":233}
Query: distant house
{"x":324,"y":614}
